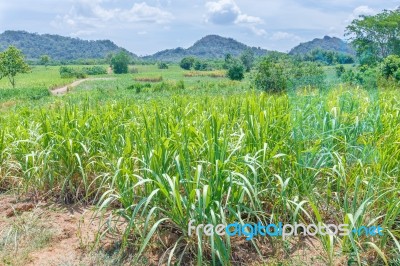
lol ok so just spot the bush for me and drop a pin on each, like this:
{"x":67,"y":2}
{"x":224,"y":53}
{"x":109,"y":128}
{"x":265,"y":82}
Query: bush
{"x":236,"y":70}
{"x":180,"y":85}
{"x":304,"y":74}
{"x":95,"y":70}
{"x":187,"y":63}
{"x":69,"y":72}
{"x":201,"y":66}
{"x":390,"y":66}
{"x":279,"y":74}
{"x":162,"y":65}
{"x":340,"y":70}
{"x":397,"y":75}
{"x":270,"y":76}
{"x":138,"y":87}
{"x":119,"y":63}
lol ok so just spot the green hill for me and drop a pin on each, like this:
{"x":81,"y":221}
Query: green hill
{"x":209,"y":47}
{"x":35,"y":45}
{"x":327,"y":43}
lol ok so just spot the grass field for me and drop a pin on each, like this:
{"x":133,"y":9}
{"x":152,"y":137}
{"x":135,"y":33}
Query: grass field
{"x":213,"y":151}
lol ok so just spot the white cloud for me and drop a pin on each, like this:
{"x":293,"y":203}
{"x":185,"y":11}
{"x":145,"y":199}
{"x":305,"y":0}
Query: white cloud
{"x":281,"y":35}
{"x":144,"y":13}
{"x":225,"y":12}
{"x":86,"y":15}
{"x":361,"y":10}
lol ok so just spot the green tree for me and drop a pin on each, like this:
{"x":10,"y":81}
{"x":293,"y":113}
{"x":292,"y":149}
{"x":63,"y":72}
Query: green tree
{"x":236,"y":70}
{"x":390,"y":66}
{"x":247,"y":58}
{"x":162,"y":65}
{"x":11,"y":63}
{"x":44,"y":60}
{"x":270,"y":76}
{"x":119,"y":63}
{"x":187,"y":63}
{"x":375,"y":37}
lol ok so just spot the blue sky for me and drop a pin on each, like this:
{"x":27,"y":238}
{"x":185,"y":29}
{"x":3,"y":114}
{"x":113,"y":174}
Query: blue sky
{"x":145,"y":27}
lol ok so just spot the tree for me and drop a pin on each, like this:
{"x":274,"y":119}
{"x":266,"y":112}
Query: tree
{"x":247,"y":58}
{"x":390,"y":66}
{"x":162,"y":65}
{"x":11,"y":63}
{"x":236,"y":70}
{"x":44,"y":60}
{"x":119,"y":63}
{"x":270,"y":76}
{"x":187,"y":63}
{"x":281,"y":73}
{"x":375,"y":37}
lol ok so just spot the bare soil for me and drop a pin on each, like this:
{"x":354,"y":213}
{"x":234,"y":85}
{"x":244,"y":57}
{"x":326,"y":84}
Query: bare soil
{"x":35,"y":232}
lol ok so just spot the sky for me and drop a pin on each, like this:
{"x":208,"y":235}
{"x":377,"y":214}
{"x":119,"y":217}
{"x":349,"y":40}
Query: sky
{"x":145,"y":27}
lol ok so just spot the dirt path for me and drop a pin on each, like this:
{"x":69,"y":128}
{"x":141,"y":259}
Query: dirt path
{"x":43,"y":233}
{"x":63,"y":90}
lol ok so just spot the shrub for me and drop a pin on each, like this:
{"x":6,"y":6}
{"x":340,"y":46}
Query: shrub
{"x":397,"y":75}
{"x":180,"y":85}
{"x":201,"y":66}
{"x":279,"y":74}
{"x":304,"y":74}
{"x":69,"y":72}
{"x":95,"y":70}
{"x":138,"y":87}
{"x":119,"y":63}
{"x":390,"y":66}
{"x":162,"y":65}
{"x":270,"y":76}
{"x":187,"y":63}
{"x":340,"y":70}
{"x":236,"y":70}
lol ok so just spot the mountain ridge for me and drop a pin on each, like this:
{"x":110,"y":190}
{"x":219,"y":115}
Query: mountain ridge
{"x":326,"y":43}
{"x":209,"y":47}
{"x":58,"y":47}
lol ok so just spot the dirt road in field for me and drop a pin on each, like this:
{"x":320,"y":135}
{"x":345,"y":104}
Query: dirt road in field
{"x":64,"y":90}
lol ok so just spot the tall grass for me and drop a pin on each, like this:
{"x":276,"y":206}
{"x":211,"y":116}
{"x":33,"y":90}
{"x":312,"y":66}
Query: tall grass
{"x":329,"y":157}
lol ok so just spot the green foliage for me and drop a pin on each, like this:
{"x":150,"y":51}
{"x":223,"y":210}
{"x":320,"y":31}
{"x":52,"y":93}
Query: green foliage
{"x":57,"y":47}
{"x":280,"y":73}
{"x":212,"y":47}
{"x":236,"y":70}
{"x":162,"y":65}
{"x":397,"y":75}
{"x":201,"y":66}
{"x":390,"y":66}
{"x":94,"y":70}
{"x":12,"y":63}
{"x":340,"y":70}
{"x":187,"y":63}
{"x":247,"y":58}
{"x":328,"y":57}
{"x":376,"y":37}
{"x":138,"y":87}
{"x":45,"y":60}
{"x":70,"y":72}
{"x":120,"y":62}
{"x":364,"y":76}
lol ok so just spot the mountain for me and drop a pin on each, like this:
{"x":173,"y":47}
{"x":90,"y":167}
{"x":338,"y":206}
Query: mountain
{"x":327,"y":43}
{"x":35,"y":45}
{"x":209,"y":47}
